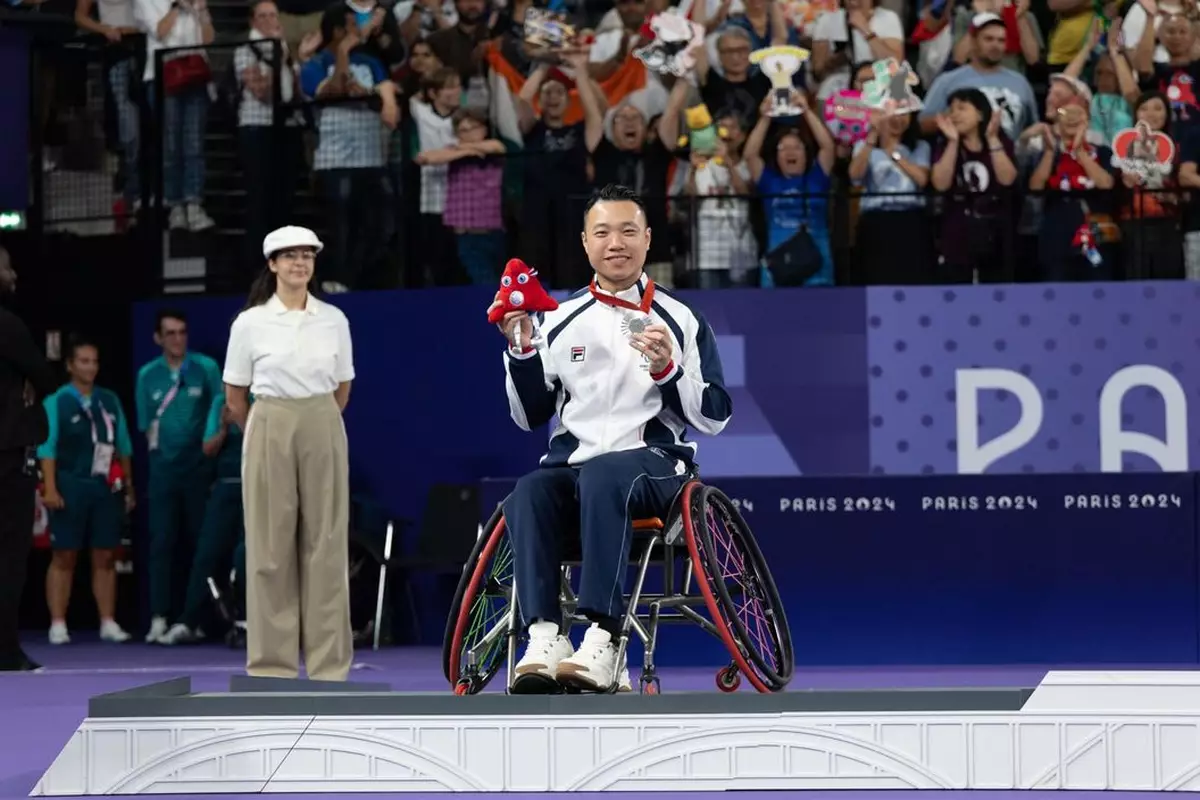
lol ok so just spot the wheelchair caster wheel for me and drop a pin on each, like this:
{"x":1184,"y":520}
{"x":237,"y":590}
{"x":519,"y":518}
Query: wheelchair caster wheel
{"x":729,"y":679}
{"x":651,"y":686}
{"x":466,"y":686}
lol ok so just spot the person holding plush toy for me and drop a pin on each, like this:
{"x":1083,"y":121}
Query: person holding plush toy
{"x":626,"y":368}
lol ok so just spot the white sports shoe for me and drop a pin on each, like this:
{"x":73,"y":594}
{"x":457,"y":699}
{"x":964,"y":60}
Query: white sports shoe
{"x":110,"y":631}
{"x":593,"y":667}
{"x":158,"y":629}
{"x":535,"y":672}
{"x":179,"y":634}
{"x":59,"y":634}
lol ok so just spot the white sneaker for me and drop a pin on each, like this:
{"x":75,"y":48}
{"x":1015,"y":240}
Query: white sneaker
{"x":158,"y":629}
{"x":58,"y":634}
{"x":535,"y":672}
{"x":593,"y":667}
{"x":178,"y":220}
{"x":110,"y":631}
{"x":179,"y":634}
{"x":197,"y":218}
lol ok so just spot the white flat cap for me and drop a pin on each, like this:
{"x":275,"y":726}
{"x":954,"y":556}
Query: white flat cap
{"x":290,"y":236}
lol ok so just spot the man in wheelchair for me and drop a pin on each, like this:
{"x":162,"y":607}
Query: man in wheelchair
{"x":623,"y":367}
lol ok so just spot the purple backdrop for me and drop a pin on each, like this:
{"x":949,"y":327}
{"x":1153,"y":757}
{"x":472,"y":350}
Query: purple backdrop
{"x":1068,"y":341}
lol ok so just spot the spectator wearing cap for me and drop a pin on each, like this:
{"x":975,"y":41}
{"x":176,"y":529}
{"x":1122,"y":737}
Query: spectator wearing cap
{"x":349,"y":158}
{"x":1023,"y":44}
{"x":1008,"y":90}
{"x":1069,"y":171}
{"x":859,"y":31}
{"x":1066,"y":90}
{"x":1177,"y":78}
{"x":294,"y":353}
{"x":554,"y":178}
{"x":1116,"y":86}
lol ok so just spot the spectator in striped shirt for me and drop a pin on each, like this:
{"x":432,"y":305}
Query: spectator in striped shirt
{"x":473,"y":194}
{"x":270,"y":155}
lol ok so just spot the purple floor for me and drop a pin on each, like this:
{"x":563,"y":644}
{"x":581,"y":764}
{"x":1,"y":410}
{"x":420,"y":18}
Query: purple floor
{"x":38,"y":712}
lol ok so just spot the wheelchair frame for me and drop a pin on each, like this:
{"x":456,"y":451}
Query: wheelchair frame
{"x":674,"y":604}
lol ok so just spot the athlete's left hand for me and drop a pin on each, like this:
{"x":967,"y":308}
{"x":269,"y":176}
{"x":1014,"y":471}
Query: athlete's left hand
{"x":655,"y":343}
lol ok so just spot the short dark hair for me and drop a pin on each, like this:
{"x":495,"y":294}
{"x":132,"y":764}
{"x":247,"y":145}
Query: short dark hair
{"x":614,"y":193}
{"x":76,"y":341}
{"x":168,"y":313}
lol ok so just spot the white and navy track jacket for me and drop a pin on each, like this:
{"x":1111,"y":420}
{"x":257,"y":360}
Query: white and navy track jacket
{"x":599,"y":390}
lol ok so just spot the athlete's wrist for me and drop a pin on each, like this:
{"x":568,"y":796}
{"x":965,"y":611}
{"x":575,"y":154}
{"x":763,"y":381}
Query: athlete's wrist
{"x":664,"y":373}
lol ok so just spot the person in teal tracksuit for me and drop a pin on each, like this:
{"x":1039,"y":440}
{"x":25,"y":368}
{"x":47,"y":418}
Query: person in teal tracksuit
{"x":223,"y":537}
{"x":87,"y":486}
{"x":175,"y":393}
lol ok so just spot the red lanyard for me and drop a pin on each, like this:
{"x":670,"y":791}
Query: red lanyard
{"x":616,"y":302}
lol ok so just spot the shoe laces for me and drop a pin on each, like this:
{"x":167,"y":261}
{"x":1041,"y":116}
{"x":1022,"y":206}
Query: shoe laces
{"x":594,"y":647}
{"x":541,"y":645}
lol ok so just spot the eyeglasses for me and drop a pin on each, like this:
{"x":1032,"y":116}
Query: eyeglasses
{"x":297,"y":255}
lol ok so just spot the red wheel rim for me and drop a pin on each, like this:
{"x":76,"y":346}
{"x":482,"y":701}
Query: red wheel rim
{"x":464,"y":609}
{"x":710,"y":599}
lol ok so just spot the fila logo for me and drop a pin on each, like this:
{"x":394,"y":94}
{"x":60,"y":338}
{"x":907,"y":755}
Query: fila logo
{"x":577,"y":354}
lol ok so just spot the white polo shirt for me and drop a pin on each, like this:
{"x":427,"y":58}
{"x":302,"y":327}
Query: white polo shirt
{"x":289,"y":354}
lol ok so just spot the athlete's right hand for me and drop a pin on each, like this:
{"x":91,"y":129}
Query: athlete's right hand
{"x":505,"y":325}
{"x":52,"y":499}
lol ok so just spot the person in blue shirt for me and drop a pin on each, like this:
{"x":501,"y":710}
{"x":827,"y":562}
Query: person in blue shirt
{"x":223,"y":536}
{"x":175,"y":393}
{"x":349,"y":158}
{"x":794,"y":183}
{"x":87,"y":486}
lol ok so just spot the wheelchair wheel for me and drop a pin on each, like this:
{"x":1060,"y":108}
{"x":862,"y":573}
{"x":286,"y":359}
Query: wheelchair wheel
{"x":738,"y":589}
{"x":480,"y":604}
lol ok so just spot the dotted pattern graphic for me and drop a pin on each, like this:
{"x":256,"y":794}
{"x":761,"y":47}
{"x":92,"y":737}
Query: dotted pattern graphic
{"x":1067,"y":339}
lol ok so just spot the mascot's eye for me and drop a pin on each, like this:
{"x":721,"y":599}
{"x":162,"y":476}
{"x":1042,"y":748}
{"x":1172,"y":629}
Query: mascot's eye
{"x":522,"y":278}
{"x":506,"y":281}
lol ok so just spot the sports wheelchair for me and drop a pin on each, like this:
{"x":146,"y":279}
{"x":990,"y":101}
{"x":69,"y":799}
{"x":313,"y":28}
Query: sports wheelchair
{"x":704,"y":536}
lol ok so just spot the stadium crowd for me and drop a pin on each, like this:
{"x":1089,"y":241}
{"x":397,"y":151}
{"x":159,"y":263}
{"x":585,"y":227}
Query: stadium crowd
{"x":448,"y":120}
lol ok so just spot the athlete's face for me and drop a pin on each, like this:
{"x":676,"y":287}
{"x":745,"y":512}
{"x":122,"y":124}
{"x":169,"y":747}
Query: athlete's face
{"x":616,"y":238}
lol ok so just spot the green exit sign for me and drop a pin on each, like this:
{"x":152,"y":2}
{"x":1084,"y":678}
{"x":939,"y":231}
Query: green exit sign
{"x":12,"y":220}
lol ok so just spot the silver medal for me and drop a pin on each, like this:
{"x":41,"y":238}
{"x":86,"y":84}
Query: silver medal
{"x":638,"y":325}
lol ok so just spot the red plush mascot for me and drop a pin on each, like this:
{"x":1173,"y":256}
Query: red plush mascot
{"x":520,"y":290}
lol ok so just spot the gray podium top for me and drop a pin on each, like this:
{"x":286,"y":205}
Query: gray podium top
{"x":276,"y":697}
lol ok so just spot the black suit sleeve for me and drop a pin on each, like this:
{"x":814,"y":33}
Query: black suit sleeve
{"x":18,"y":349}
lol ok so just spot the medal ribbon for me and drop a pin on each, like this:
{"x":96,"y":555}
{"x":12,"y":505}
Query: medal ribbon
{"x":616,"y":302}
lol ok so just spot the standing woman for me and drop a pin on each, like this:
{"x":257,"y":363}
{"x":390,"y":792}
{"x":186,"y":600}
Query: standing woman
{"x":293,"y":352}
{"x":86,"y":485}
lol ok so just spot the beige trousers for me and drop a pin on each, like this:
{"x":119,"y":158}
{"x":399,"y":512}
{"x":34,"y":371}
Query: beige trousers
{"x":296,"y":493}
